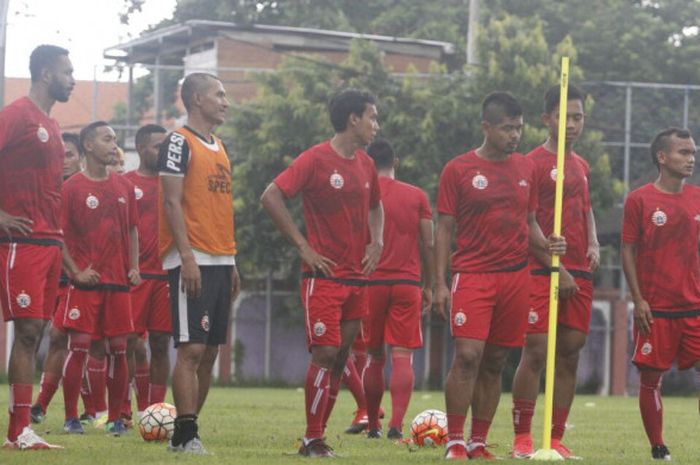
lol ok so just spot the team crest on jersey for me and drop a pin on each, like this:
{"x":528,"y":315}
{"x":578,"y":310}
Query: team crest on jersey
{"x":205,"y":322}
{"x":138,"y":193}
{"x":92,"y":202}
{"x":42,"y":134}
{"x":480,"y":182}
{"x":697,"y":218}
{"x":319,"y":328}
{"x":121,"y":200}
{"x":553,"y":174}
{"x":337,"y":181}
{"x":23,"y":300}
{"x":532,"y":317}
{"x":460,"y":319}
{"x":659,"y":218}
{"x":522,"y":183}
{"x":367,"y":185}
{"x":646,"y":348}
{"x":74,"y":313}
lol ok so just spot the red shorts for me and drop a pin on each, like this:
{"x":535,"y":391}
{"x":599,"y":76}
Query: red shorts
{"x":669,"y":340}
{"x":150,"y":306}
{"x":57,"y":320}
{"x":29,"y":276}
{"x":491,"y":307}
{"x":101,"y":313}
{"x":326,"y":304}
{"x":574,"y":312}
{"x":394,"y":316}
{"x":360,"y":342}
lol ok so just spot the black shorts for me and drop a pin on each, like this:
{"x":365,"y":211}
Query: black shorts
{"x":204,"y":320}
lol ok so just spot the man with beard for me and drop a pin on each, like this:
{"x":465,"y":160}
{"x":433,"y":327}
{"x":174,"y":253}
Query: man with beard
{"x":31,"y":167}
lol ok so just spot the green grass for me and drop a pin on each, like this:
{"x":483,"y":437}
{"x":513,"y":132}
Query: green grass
{"x":261,"y":426}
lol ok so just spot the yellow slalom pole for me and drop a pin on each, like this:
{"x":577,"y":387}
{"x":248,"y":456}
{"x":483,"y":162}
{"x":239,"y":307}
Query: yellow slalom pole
{"x":547,"y":453}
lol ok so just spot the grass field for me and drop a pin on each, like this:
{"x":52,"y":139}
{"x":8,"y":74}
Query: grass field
{"x":262,"y":425}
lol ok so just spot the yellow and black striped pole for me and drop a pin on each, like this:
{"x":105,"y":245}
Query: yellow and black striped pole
{"x":547,"y":453}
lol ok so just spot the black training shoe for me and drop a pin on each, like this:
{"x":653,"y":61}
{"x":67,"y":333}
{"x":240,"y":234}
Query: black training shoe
{"x":374,"y":433}
{"x":37,"y":413}
{"x":394,"y":433}
{"x":660,"y":452}
{"x":316,"y":448}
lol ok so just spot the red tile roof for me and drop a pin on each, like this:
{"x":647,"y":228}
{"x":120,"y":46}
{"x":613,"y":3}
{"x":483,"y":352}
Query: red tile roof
{"x":78,"y":111}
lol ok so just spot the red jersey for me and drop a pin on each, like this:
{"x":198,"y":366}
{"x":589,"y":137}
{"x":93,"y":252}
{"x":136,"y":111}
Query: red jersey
{"x":404,"y":207}
{"x":337,"y":194}
{"x":97,"y":216}
{"x":575,"y":207}
{"x":31,"y":169}
{"x":490,"y":201}
{"x":146,"y":193}
{"x":665,"y":228}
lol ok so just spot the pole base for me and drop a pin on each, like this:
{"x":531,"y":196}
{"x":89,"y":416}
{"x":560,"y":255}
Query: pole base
{"x":548,"y":455}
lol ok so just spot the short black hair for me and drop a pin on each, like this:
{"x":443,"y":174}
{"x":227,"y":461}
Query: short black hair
{"x":74,"y":139}
{"x":348,"y":102}
{"x":498,"y":105}
{"x":193,"y":83}
{"x":551,"y":97}
{"x":145,"y":132}
{"x":42,"y":57}
{"x":382,"y":153}
{"x":89,"y":131}
{"x":662,"y":141}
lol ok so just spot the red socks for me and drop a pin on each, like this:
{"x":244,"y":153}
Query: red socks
{"x":523,"y":410}
{"x":86,"y":395}
{"x":455,"y":427}
{"x":316,"y":398}
{"x":20,"y":406}
{"x":117,"y":376}
{"x":650,"y":406}
{"x":354,"y":383}
{"x":142,"y":378}
{"x":49,"y":385}
{"x":156,"y":393}
{"x":359,"y":358}
{"x":374,"y":389}
{"x":559,"y":416}
{"x":480,"y":429}
{"x":73,"y":369}
{"x":333,"y":390}
{"x":401,"y":386}
{"x":97,"y":373}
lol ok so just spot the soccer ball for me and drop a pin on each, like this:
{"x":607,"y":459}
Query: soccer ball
{"x":158,"y":422}
{"x":429,"y":428}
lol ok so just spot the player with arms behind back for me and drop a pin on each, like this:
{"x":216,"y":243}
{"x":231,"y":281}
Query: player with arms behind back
{"x":198,"y":249}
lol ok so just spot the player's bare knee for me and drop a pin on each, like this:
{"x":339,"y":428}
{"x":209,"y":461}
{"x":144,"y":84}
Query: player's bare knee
{"x":28,"y":333}
{"x":467,"y":359}
{"x":58,"y":340}
{"x":324,"y":356}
